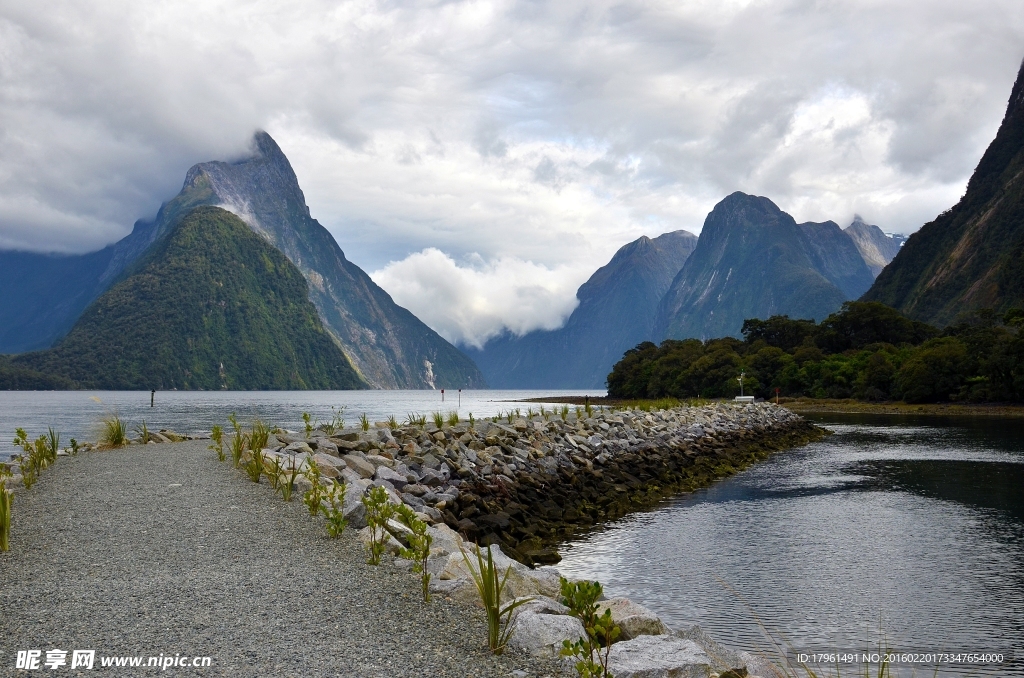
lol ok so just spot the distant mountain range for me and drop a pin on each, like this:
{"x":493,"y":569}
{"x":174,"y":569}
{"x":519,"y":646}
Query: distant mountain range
{"x":211,"y":305}
{"x":616,"y":312}
{"x":386,"y":344}
{"x":751,"y":260}
{"x":971,"y":256}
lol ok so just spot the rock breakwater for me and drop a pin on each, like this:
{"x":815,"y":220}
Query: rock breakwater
{"x":527,"y":482}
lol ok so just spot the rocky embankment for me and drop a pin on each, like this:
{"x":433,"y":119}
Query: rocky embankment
{"x":526,"y":483}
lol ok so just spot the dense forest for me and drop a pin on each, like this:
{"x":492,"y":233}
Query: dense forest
{"x":866,"y":350}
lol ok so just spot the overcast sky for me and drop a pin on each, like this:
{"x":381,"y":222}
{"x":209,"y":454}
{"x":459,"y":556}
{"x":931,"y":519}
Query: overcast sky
{"x":481,"y":159}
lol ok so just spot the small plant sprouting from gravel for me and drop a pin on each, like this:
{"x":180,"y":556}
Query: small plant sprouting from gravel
{"x":73,"y":450}
{"x":564,"y":412}
{"x":419,"y":546}
{"x":28,"y":464}
{"x":273,"y":470}
{"x":217,"y":436}
{"x":52,"y":443}
{"x":334,"y":512}
{"x":237,"y":441}
{"x":364,"y":422}
{"x":308,"y":421}
{"x":315,"y":494}
{"x":490,"y":585}
{"x":472,"y":421}
{"x":336,"y":423}
{"x":392,"y":422}
{"x":114,"y":432}
{"x":581,"y":598}
{"x":438,"y":418}
{"x":258,"y":435}
{"x":453,"y":418}
{"x":287,"y":485}
{"x":530,"y":413}
{"x":378,"y":511}
{"x":413,"y":419}
{"x":254,"y":467}
{"x":510,"y":416}
{"x":142,"y":430}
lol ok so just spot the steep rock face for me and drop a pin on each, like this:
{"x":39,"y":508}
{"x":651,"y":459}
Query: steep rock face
{"x":836,"y":257}
{"x":389,"y":346}
{"x":752,"y":260}
{"x":971,"y":256}
{"x":616,"y":311}
{"x":875,"y":247}
{"x":210,"y":306}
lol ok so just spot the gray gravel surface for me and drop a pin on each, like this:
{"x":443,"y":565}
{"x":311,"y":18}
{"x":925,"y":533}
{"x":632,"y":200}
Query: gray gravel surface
{"x":163,"y":549}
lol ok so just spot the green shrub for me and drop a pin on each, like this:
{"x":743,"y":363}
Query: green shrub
{"x":336,"y":423}
{"x":114,"y":432}
{"x":74,"y":448}
{"x":581,"y":598}
{"x":217,"y":436}
{"x":254,"y":467}
{"x":490,"y":585}
{"x":314,"y":495}
{"x":419,"y":546}
{"x":237,"y":442}
{"x":334,"y":512}
{"x":472,"y":421}
{"x":286,"y":481}
{"x":378,"y":512}
{"x":307,"y":420}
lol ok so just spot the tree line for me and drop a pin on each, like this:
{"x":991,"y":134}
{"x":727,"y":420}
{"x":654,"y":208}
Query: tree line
{"x":866,"y":351}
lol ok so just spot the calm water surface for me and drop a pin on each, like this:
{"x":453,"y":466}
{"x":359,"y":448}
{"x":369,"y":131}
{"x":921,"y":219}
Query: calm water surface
{"x":914,"y":525}
{"x":79,"y":413}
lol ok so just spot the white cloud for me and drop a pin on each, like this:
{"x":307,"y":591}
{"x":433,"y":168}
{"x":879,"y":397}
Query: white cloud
{"x":471,"y":302}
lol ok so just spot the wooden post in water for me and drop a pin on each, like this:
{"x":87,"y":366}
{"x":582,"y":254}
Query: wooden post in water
{"x":152,"y":397}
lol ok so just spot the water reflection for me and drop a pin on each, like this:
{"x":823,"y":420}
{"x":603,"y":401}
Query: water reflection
{"x":913,"y":524}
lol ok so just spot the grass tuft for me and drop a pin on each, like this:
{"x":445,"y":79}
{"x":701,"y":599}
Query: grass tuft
{"x":490,"y":585}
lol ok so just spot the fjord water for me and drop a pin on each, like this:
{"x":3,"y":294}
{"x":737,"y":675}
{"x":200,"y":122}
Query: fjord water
{"x":914,"y":526}
{"x":79,"y":413}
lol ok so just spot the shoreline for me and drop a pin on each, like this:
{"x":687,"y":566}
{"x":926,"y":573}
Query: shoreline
{"x":825,"y":405}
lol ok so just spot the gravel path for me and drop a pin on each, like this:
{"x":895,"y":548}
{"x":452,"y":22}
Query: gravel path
{"x":163,"y":549}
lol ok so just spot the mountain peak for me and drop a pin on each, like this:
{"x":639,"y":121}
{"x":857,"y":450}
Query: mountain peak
{"x":1016,"y":102}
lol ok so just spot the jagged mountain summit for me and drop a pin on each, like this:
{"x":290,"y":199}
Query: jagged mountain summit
{"x":387,"y":345}
{"x":210,"y":306}
{"x":752,"y":260}
{"x":616,"y":311}
{"x":876,"y":248}
{"x":971,"y":256}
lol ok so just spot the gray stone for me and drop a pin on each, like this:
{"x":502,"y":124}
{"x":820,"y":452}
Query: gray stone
{"x":658,"y":657}
{"x":364,"y":468}
{"x":298,"y":446}
{"x":379,"y":460}
{"x":635,"y":620}
{"x":327,"y":447}
{"x":541,"y":635}
{"x":397,"y":480}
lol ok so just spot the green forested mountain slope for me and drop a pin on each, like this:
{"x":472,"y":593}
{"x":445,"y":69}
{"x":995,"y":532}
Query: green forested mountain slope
{"x":752,"y":260}
{"x":971,"y":256}
{"x":210,"y":306}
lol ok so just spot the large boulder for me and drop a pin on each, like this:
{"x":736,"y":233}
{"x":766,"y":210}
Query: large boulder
{"x":541,"y":635}
{"x":723,"y":659}
{"x":364,"y":468}
{"x":658,"y":657}
{"x":521,"y":580}
{"x":635,"y":620}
